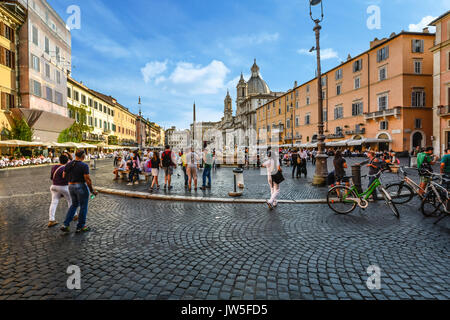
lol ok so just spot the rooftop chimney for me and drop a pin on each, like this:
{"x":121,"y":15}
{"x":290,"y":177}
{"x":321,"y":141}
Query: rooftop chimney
{"x":349,"y":57}
{"x":295,"y":84}
{"x":426,"y":30}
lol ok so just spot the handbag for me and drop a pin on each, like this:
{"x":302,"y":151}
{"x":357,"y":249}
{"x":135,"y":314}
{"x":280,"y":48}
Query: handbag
{"x":278,"y":177}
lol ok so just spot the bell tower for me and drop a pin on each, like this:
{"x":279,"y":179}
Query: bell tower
{"x":241,"y":91}
{"x":228,"y":107}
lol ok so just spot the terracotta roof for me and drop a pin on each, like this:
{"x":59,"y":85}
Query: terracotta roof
{"x":433,"y":23}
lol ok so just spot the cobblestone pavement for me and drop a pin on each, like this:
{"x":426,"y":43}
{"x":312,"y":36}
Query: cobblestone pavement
{"x":142,"y":249}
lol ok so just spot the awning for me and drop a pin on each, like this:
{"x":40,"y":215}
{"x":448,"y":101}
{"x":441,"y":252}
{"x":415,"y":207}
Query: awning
{"x":368,"y":140}
{"x":341,"y":143}
{"x":20,"y":143}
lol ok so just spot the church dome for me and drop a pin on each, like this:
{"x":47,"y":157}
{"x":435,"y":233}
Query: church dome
{"x":256,"y":85}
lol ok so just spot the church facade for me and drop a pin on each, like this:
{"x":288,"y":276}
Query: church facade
{"x":250,"y":95}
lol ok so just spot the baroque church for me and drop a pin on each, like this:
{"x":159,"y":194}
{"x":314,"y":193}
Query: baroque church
{"x":251,"y":95}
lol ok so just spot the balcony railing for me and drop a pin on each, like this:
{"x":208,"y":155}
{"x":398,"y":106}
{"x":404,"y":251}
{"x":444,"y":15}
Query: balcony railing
{"x":356,"y":131}
{"x":443,"y":111}
{"x":382,"y":114}
{"x":335,"y":136}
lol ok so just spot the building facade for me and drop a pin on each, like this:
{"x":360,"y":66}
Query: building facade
{"x":177,"y":139}
{"x":441,"y":83}
{"x":380,"y":99}
{"x":12,"y":17}
{"x":44,"y":64}
{"x":251,"y":95}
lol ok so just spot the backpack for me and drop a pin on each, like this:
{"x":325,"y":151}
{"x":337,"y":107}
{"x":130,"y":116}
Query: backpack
{"x":167,"y":159}
{"x":299,"y":160}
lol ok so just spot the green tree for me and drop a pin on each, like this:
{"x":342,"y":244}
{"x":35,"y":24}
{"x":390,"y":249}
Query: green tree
{"x":20,"y":131}
{"x":75,"y":132}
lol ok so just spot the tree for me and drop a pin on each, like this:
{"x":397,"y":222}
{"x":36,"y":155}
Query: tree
{"x":20,"y":131}
{"x":75,"y":132}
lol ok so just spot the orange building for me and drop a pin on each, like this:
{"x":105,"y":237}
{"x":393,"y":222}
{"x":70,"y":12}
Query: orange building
{"x":441,"y":77}
{"x":380,"y":99}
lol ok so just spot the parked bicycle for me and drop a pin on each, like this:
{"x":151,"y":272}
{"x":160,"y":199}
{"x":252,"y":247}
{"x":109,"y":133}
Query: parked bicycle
{"x":436,"y":199}
{"x":343,"y":200}
{"x":404,"y":191}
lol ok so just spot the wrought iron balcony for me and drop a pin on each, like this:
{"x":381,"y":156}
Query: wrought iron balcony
{"x":335,"y":136}
{"x":356,"y":131}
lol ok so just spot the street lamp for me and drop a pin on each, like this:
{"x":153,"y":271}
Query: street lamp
{"x":321,"y":158}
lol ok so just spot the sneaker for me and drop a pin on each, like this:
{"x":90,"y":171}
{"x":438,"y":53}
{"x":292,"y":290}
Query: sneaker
{"x":203,"y":188}
{"x":170,"y":187}
{"x":269,"y":205}
{"x":84,"y":229}
{"x":136,"y":182}
{"x":75,"y":218}
{"x":130,"y":184}
{"x":52,"y":224}
{"x":65,"y":229}
{"x":165,"y":187}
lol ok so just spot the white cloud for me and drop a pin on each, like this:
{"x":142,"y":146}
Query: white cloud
{"x":153,"y":69}
{"x":197,"y":79}
{"x":422,"y":24}
{"x":325,"y":54}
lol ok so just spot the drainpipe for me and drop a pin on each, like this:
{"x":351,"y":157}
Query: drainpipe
{"x":368,"y":81}
{"x":17,"y":66}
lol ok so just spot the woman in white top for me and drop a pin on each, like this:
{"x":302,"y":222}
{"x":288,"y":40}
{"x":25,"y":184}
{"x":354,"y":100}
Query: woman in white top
{"x":272,"y":165}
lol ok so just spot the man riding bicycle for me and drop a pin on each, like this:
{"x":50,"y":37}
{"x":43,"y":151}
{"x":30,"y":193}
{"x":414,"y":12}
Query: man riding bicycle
{"x":425,"y":160}
{"x":375,"y":166}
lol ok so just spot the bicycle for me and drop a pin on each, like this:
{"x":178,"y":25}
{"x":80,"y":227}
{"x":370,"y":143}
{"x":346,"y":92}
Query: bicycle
{"x":404,"y":191}
{"x":343,"y":200}
{"x":436,"y":198}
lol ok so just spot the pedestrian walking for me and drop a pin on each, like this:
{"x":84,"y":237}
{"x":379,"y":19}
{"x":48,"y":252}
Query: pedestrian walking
{"x":77,"y":174}
{"x":184,"y":168}
{"x":303,"y":165}
{"x":155,"y":163}
{"x":208,"y":161}
{"x":168,"y":163}
{"x":339,"y":168}
{"x":135,"y":168}
{"x":59,"y":189}
{"x":272,"y":165}
{"x":193,"y":161}
{"x":296,"y":162}
{"x":313,"y":157}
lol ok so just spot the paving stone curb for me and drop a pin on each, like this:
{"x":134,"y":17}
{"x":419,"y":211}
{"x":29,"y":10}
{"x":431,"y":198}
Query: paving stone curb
{"x":144,"y":195}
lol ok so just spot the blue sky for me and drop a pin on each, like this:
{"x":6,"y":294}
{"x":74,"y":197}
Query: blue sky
{"x":172,"y":52}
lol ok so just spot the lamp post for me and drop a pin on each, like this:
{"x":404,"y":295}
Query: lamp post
{"x":321,"y":158}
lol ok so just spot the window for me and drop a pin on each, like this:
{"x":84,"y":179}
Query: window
{"x":83,"y":99}
{"x":9,"y":33}
{"x":95,"y":105}
{"x":36,"y":87}
{"x":357,"y":108}
{"x":357,"y":65}
{"x":297,"y":123}
{"x":287,"y":108}
{"x":357,"y":83}
{"x":383,"y":125}
{"x":338,"y":74}
{"x":382,"y":73}
{"x":90,"y":121}
{"x":338,"y":112}
{"x":417,"y":66}
{"x":58,"y":58}
{"x":418,"y":123}
{"x":325,"y":115}
{"x":307,"y":101}
{"x":323,"y":81}
{"x":307,"y":88}
{"x":35,"y":63}
{"x":288,"y":123}
{"x":417,"y":46}
{"x":35,"y":36}
{"x":7,"y":101}
{"x":47,"y":46}
{"x":95,"y":122}
{"x":383,"y":103}
{"x":58,"y":98}
{"x":296,"y":105}
{"x":47,"y":70}
{"x":58,"y":77}
{"x":324,"y":95}
{"x":383,"y":54}
{"x":418,"y":98}
{"x":338,"y":89}
{"x":7,"y":58}
{"x":100,"y":107}
{"x":338,"y":131}
{"x":69,"y":93}
{"x":90,"y":102}
{"x":279,"y":110}
{"x":308,"y":118}
{"x":76,"y":95}
{"x":49,"y":94}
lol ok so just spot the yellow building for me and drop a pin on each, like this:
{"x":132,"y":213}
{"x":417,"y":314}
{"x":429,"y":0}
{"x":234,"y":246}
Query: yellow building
{"x":380,"y":99}
{"x":125,"y":125}
{"x":12,"y":16}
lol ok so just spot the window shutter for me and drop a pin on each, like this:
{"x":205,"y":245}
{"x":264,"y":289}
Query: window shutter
{"x":4,"y":101}
{"x":413,"y":47}
{"x":2,"y":28}
{"x":423,"y":99}
{"x":387,"y":52}
{"x":413,"y":99}
{"x":13,"y":60}
{"x":13,"y":35}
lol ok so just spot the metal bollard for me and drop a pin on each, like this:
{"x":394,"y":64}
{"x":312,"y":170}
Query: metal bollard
{"x":236,"y":193}
{"x":356,"y":176}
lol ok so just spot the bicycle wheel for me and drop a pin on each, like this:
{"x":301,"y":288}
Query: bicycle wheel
{"x":339,"y":199}
{"x":389,"y":202}
{"x":430,"y":205}
{"x":400,"y":192}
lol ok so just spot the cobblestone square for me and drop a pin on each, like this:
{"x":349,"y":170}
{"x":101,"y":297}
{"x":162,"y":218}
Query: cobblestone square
{"x":145,"y":249}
